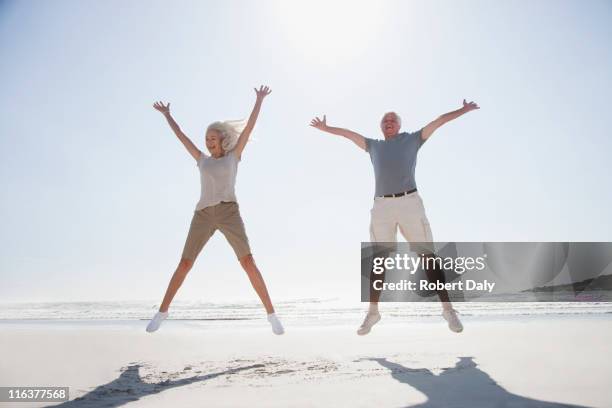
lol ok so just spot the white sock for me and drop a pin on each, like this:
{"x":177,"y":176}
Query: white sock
{"x":156,"y":321}
{"x":277,"y":327}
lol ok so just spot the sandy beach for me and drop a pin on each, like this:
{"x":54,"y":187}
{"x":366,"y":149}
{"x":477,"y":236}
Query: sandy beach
{"x":534,"y":361}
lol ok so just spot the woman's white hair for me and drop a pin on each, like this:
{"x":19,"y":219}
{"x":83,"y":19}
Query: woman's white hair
{"x":230,"y":131}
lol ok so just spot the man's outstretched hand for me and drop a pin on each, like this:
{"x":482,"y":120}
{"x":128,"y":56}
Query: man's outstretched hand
{"x":318,"y":123}
{"x":165,"y":109}
{"x":469,"y":106}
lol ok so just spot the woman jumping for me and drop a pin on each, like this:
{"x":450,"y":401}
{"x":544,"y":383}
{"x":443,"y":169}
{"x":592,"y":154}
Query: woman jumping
{"x":218,"y":208}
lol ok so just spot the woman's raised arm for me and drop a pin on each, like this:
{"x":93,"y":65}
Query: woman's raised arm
{"x":261,"y":93}
{"x":191,"y":148}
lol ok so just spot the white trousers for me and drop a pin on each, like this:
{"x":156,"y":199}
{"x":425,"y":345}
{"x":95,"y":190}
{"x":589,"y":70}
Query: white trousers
{"x":406,"y":213}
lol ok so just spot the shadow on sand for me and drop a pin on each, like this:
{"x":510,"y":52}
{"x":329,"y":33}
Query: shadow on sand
{"x":463,"y":385}
{"x":129,"y":387}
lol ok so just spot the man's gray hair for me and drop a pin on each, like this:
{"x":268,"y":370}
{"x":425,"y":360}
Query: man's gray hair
{"x":399,"y":119}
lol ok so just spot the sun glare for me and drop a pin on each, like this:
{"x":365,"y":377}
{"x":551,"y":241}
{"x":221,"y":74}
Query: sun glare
{"x":328,"y":31}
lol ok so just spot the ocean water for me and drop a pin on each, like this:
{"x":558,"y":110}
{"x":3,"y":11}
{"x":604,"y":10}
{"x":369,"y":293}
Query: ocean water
{"x":306,"y":311}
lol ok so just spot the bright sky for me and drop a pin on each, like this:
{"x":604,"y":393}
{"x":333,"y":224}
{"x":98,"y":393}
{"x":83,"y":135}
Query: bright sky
{"x":97,"y":193}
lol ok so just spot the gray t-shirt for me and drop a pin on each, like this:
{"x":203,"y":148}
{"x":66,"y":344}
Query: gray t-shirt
{"x":217,"y":179}
{"x":394,"y":161}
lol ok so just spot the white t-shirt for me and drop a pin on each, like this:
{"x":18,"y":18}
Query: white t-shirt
{"x":217,"y":178}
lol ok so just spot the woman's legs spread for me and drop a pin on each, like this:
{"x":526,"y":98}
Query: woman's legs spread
{"x":201,"y":229}
{"x":257,"y":281}
{"x":180,"y":273}
{"x":231,"y":225}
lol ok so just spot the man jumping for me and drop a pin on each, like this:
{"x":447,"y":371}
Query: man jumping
{"x":397,"y":202}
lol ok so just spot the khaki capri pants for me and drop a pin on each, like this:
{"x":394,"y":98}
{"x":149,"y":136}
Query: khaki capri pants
{"x":224,"y":217}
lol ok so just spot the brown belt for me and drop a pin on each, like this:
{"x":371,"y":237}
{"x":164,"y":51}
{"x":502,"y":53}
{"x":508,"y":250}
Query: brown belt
{"x":401,"y":194}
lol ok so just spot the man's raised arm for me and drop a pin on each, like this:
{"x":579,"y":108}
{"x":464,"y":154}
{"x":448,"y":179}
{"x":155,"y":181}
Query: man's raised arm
{"x":447,"y":117}
{"x":349,"y":134}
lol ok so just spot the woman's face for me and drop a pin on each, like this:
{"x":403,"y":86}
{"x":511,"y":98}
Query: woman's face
{"x":213,"y":142}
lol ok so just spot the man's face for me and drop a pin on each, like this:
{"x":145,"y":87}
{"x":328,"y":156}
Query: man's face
{"x":390,"y":125}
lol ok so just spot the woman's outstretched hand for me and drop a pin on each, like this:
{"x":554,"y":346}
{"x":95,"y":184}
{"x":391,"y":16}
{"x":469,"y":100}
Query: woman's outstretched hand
{"x":318,"y":123}
{"x":165,"y":109}
{"x":262,"y":92}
